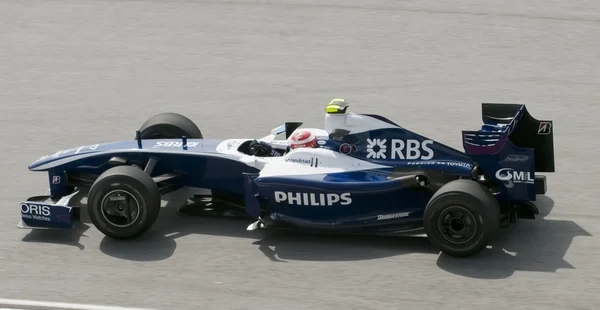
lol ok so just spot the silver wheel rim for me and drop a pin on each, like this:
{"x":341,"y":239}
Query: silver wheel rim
{"x":457,"y":225}
{"x":120,"y":208}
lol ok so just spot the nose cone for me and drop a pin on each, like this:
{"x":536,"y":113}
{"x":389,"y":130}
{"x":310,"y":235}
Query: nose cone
{"x":61,"y":155}
{"x":40,"y":161}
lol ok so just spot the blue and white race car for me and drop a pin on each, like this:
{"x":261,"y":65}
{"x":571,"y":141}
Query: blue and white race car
{"x":361,"y":173}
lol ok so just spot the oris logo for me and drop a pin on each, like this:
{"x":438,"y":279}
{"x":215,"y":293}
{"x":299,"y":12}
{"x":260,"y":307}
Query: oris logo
{"x":510,"y":175}
{"x":34,"y":209}
{"x":312,"y":199}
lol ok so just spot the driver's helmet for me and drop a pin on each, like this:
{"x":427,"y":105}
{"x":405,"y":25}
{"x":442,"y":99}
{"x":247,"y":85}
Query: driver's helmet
{"x":302,"y":139}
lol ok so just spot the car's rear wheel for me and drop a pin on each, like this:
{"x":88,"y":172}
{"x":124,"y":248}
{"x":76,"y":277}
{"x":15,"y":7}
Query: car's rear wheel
{"x":461,"y":218}
{"x":124,"y":202}
{"x":169,"y":126}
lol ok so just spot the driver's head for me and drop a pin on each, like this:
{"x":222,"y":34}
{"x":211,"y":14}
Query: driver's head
{"x":303,"y":138}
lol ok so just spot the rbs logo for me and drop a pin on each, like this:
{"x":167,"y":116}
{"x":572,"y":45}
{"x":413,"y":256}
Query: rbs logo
{"x":312,"y":199}
{"x":400,"y":149}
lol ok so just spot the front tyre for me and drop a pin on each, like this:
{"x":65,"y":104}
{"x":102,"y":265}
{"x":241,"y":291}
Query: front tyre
{"x":461,"y":218}
{"x":124,"y":202}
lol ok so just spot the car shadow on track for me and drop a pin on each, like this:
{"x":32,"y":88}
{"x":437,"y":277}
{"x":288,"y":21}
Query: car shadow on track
{"x":160,"y":242}
{"x":532,"y":245}
{"x":282,"y":246}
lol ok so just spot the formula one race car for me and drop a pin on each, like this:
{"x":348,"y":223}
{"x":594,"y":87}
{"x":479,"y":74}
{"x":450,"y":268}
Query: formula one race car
{"x":362,"y":173}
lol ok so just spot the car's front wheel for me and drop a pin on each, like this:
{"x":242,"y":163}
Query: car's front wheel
{"x":124,"y":202}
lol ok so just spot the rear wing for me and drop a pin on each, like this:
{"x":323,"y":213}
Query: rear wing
{"x":512,"y":123}
{"x":511,"y":146}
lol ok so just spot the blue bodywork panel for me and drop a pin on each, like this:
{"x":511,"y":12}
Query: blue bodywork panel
{"x":203,"y":166}
{"x":342,"y":200}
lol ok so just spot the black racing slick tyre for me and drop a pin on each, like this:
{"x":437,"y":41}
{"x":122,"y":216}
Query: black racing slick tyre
{"x":124,"y":202}
{"x":461,"y":218}
{"x":169,"y":126}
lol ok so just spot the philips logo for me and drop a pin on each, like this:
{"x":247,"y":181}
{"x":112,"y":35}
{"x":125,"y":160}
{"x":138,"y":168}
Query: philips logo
{"x":509,"y":174}
{"x":312,"y":199}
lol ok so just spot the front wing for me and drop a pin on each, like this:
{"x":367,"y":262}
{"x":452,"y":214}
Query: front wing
{"x":44,"y":212}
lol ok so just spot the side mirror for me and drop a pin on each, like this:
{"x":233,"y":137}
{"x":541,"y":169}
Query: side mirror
{"x":290,"y":127}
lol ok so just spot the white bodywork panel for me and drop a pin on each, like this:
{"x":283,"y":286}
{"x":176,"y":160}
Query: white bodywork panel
{"x":315,"y":161}
{"x":355,"y":123}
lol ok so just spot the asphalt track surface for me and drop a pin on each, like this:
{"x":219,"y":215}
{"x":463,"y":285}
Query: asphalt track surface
{"x":79,"y":72}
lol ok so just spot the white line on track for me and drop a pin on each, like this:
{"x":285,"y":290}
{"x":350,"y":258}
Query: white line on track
{"x":56,"y":305}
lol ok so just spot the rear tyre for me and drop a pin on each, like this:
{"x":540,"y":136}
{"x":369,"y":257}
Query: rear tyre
{"x":461,"y":218}
{"x":169,"y":126}
{"x":124,"y":202}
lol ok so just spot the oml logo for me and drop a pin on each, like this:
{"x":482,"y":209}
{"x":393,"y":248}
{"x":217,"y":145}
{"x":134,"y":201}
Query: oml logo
{"x":512,"y":176}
